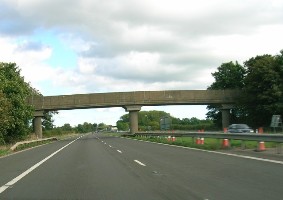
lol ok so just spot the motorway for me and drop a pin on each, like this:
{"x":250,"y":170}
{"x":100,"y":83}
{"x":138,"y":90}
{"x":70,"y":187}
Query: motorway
{"x":95,"y":166}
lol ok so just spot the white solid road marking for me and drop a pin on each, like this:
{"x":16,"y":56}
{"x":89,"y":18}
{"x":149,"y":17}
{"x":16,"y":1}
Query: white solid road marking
{"x":15,"y":180}
{"x":140,"y":163}
{"x":119,"y":151}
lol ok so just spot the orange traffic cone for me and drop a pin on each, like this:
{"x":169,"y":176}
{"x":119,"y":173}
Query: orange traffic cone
{"x":198,"y":141}
{"x":225,"y":143}
{"x":173,"y":139}
{"x":261,"y":146}
{"x":201,"y":141}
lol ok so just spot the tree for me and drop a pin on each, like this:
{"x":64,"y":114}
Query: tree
{"x":16,"y":113}
{"x":102,"y":126}
{"x":122,"y":126}
{"x":48,"y":121}
{"x":85,"y":127}
{"x":67,"y":127}
{"x":279,"y":68}
{"x":148,"y":120}
{"x":264,"y":88}
{"x":229,"y":76}
{"x":6,"y":117}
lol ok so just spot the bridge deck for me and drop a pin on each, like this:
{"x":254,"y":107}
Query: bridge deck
{"x":142,"y":98}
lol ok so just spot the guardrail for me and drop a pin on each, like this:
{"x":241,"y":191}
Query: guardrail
{"x":235,"y":136}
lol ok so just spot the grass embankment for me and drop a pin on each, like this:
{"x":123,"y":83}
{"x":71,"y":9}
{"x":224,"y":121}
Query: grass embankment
{"x":4,"y":151}
{"x":209,"y":143}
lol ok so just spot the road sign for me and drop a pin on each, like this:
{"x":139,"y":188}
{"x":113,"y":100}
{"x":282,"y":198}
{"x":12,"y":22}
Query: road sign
{"x":165,"y":123}
{"x":276,"y":121}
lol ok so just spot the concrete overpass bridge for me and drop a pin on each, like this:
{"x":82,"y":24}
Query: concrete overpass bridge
{"x":133,"y":101}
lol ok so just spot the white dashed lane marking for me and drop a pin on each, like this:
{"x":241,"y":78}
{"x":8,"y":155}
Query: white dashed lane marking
{"x":140,"y":163}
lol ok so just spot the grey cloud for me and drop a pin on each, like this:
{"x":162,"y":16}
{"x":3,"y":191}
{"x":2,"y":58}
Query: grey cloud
{"x":117,"y":48}
{"x":237,"y":19}
{"x":11,"y":22}
{"x":227,"y":18}
{"x":101,"y":20}
{"x":149,"y":74}
{"x":196,"y":58}
{"x":101,"y":17}
{"x":102,"y":23}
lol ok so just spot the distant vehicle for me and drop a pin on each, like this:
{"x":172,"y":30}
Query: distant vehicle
{"x":240,"y":128}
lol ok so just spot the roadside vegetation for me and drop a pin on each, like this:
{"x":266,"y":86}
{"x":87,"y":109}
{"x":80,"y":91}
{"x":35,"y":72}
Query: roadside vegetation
{"x":150,"y":121}
{"x":209,"y":143}
{"x":260,"y":80}
{"x":4,"y":151}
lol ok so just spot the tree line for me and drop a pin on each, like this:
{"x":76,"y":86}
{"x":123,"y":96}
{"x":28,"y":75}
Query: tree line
{"x":86,"y":127}
{"x":260,"y":80}
{"x":150,"y":121}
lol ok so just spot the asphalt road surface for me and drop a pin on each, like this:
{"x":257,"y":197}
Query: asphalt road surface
{"x":103,"y":167}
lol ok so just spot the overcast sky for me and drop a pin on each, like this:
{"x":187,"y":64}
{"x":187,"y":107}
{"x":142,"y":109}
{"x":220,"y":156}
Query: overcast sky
{"x":89,"y":46}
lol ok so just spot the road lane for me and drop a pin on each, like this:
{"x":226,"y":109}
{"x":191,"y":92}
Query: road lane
{"x":13,"y":165}
{"x":87,"y":169}
{"x":99,"y":167}
{"x":11,"y":183}
{"x":214,"y":176}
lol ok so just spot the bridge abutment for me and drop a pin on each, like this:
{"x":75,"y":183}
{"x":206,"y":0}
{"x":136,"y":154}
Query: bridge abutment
{"x":133,"y":117}
{"x":37,"y":123}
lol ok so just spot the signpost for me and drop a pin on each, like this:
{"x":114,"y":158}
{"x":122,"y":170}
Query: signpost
{"x":276,"y":122}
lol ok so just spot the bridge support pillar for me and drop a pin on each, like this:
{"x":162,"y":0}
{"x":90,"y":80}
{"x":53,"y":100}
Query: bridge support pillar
{"x":225,"y":110}
{"x":133,"y":115}
{"x":37,"y":123}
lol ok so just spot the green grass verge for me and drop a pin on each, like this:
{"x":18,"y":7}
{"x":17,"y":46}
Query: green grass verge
{"x":4,"y":152}
{"x":209,"y":143}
